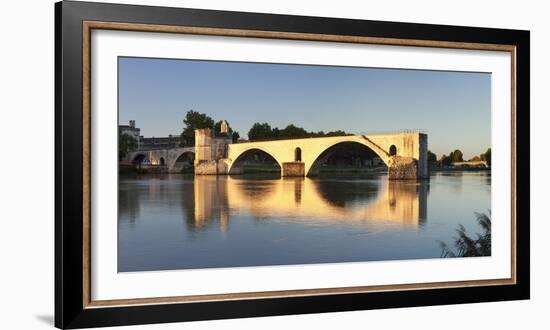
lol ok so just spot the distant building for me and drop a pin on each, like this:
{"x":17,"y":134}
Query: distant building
{"x":152,"y":143}
{"x":131,"y":130}
{"x":149,"y":143}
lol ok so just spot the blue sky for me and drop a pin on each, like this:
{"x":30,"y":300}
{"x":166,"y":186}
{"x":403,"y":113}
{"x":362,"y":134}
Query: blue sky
{"x":454,"y":108}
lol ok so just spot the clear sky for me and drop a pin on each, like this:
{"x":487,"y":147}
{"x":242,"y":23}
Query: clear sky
{"x":454,"y":108}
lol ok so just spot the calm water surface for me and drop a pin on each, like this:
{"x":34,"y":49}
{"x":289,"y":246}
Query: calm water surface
{"x":181,"y":222}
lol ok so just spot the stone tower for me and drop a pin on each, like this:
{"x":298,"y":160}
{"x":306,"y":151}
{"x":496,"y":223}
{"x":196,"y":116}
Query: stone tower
{"x":224,"y":127}
{"x":211,"y":149}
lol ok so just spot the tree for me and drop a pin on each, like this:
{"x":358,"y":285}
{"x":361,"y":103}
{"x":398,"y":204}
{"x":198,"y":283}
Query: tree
{"x":456,"y":156}
{"x":263,"y":131}
{"x":194,"y":120}
{"x":292,"y":131}
{"x":334,"y":133}
{"x":445,"y":160}
{"x":475,"y":159}
{"x":486,"y":156}
{"x":260,"y":132}
{"x":432,"y":158}
{"x":126,"y":143}
{"x":235,"y":136}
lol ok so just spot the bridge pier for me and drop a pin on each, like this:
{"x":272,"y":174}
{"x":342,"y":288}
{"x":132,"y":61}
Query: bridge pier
{"x":403,"y":168}
{"x":293,"y":169}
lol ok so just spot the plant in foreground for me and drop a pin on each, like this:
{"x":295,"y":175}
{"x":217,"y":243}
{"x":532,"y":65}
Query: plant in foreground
{"x":467,"y":246}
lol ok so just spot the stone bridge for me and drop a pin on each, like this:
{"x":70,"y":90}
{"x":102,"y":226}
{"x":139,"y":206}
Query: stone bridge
{"x":173,"y":158}
{"x":405,"y":154}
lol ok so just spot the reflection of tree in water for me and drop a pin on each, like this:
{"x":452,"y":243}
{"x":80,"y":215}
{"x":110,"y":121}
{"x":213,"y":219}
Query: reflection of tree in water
{"x":341,"y":192}
{"x":187,"y":202}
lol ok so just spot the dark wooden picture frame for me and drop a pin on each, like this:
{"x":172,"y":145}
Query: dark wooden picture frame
{"x":73,"y":24}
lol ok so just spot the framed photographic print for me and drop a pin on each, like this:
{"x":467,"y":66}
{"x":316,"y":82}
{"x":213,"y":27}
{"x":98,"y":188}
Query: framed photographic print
{"x":215,"y":164}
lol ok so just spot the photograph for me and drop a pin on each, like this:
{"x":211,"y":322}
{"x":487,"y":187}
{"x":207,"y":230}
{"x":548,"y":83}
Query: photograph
{"x":245,"y":164}
{"x":225,"y":164}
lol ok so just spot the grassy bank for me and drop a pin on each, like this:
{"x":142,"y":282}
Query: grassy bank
{"x":261,"y":168}
{"x":351,"y":169}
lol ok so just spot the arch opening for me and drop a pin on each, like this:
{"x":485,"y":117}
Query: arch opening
{"x":347,"y":157}
{"x":184,"y":163}
{"x":255,"y":161}
{"x":161,"y":161}
{"x":393,"y":150}
{"x":138,"y":159}
{"x":298,"y":154}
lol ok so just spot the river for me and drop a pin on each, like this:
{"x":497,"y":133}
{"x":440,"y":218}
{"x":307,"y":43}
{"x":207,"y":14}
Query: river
{"x":176,"y":221}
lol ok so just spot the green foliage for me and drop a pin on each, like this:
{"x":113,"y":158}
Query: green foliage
{"x":446,"y":160}
{"x":126,"y":143}
{"x":467,"y":246}
{"x":194,"y":120}
{"x":432,"y":158}
{"x":235,"y":137}
{"x":293,"y":132}
{"x":263,"y":131}
{"x":456,"y":156}
{"x":486,"y":156}
{"x":334,"y":133}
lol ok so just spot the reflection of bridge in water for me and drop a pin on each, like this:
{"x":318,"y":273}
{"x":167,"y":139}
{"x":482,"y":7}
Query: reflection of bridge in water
{"x":368,"y":201}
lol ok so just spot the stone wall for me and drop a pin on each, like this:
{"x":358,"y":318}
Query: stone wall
{"x":224,"y":165}
{"x":211,"y":152}
{"x":293,"y":169}
{"x":402,"y":168}
{"x":206,"y":167}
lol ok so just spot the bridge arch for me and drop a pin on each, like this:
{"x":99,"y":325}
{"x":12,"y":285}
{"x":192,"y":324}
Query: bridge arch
{"x":138,"y":158}
{"x":312,"y":166}
{"x":238,"y":163}
{"x":180,"y":160}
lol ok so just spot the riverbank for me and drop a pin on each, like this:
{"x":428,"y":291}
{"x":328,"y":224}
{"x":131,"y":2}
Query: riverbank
{"x":459,"y":169}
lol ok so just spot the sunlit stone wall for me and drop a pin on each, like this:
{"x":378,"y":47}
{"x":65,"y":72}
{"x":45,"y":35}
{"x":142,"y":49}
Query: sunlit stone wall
{"x":293,"y":169}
